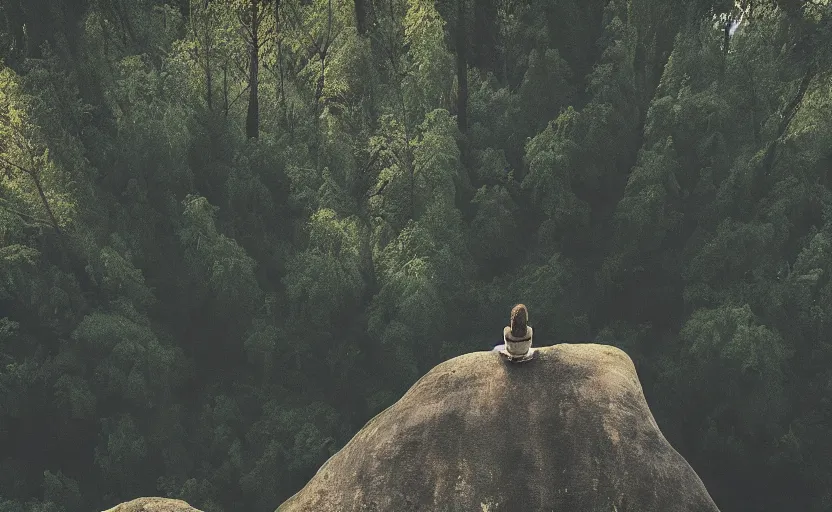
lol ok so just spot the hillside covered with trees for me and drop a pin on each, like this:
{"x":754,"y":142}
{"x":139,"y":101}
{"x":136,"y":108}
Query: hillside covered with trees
{"x":232,"y":231}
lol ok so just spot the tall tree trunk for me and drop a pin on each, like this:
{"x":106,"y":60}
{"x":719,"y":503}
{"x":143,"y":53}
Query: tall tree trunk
{"x":787,"y":116}
{"x":128,"y":35}
{"x":361,"y":16}
{"x":225,"y":89}
{"x":753,"y":85}
{"x":16,"y":22}
{"x":762,"y":183}
{"x":209,"y":83}
{"x":483,"y":36}
{"x":726,"y":45}
{"x":253,"y":116}
{"x":278,"y":40}
{"x":461,"y":68}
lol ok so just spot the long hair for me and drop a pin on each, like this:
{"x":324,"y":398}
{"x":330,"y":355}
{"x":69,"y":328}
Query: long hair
{"x":519,"y":320}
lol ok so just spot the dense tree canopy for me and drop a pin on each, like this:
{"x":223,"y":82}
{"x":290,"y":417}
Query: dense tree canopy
{"x":233,"y":231}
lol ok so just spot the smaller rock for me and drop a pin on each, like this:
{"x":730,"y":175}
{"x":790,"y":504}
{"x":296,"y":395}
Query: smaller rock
{"x":153,"y":505}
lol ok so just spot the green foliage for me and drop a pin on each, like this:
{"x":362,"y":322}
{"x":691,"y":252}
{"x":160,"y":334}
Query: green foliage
{"x":494,"y":229}
{"x":61,"y":491}
{"x":325,"y":279}
{"x":545,"y":90}
{"x":551,"y":291}
{"x":220,"y":265}
{"x":429,"y":65}
{"x":187,"y":312}
{"x":436,"y":161}
{"x":730,"y":336}
{"x":123,"y":452}
{"x":552,"y":158}
{"x":32,"y":185}
{"x":648,"y":198}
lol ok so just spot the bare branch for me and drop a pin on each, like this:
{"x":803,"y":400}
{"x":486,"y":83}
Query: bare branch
{"x":36,"y":178}
{"x":4,"y":204}
{"x":328,"y":27}
{"x":380,"y":190}
{"x":243,"y":91}
{"x":29,"y":172}
{"x":312,"y":40}
{"x":245,"y":27}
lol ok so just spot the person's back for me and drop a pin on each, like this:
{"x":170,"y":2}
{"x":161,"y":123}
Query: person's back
{"x":517,"y":336}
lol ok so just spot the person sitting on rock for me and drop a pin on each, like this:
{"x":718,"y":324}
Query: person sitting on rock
{"x":517,"y":336}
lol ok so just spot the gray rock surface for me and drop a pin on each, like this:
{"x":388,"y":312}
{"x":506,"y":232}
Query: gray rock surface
{"x":568,"y":431}
{"x":153,"y":505}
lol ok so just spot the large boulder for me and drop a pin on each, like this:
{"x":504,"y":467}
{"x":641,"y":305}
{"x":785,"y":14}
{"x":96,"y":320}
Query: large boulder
{"x":153,"y":505}
{"x":569,"y":430}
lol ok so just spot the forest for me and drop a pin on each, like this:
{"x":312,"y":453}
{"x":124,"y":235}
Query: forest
{"x":233,"y":231}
